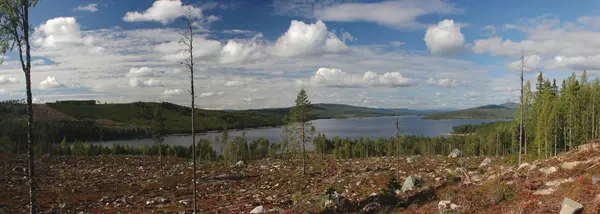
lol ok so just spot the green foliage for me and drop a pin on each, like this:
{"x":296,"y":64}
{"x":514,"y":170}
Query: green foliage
{"x":504,"y":111}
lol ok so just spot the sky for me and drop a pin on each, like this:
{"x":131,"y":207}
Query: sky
{"x":418,"y":54}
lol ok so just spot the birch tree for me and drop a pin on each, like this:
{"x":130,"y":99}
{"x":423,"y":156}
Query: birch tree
{"x":15,"y":34}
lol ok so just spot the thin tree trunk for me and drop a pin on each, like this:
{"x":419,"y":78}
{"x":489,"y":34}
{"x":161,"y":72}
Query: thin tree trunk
{"x":522,"y":110}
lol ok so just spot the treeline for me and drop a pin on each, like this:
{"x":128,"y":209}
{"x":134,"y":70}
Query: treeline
{"x":559,"y":119}
{"x":49,"y":133}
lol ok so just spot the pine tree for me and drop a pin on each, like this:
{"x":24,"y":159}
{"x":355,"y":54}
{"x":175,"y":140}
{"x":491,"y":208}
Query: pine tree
{"x":158,"y":132}
{"x":301,"y":117}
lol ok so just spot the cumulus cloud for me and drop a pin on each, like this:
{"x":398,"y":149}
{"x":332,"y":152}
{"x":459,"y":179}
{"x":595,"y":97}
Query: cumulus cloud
{"x":234,"y":83}
{"x":163,"y":11}
{"x":88,"y":8}
{"x":8,"y":80}
{"x":530,"y":63}
{"x":306,"y":39}
{"x":59,"y":32}
{"x":577,"y":63}
{"x":142,"y":72}
{"x":331,"y":77}
{"x":172,"y":92}
{"x":242,"y":51}
{"x":442,"y":82}
{"x":397,"y":14}
{"x":444,"y":38}
{"x":150,"y":83}
{"x":51,"y":82}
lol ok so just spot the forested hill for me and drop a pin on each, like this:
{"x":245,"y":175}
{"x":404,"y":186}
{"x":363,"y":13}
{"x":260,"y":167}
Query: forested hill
{"x":502,"y":111}
{"x":327,"y":110}
{"x":93,"y":121}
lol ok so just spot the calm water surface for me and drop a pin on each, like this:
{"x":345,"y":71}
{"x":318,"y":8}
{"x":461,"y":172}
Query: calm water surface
{"x":369,"y":127}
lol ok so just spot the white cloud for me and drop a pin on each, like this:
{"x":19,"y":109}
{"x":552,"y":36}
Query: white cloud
{"x":142,"y":72}
{"x":242,"y":51}
{"x":530,"y":63}
{"x":58,"y":30}
{"x":51,"y":82}
{"x":172,"y":92}
{"x":89,"y":8}
{"x":442,"y":82}
{"x":472,"y":94}
{"x":445,"y":38}
{"x":397,"y":43}
{"x":590,"y":21}
{"x":331,"y":77}
{"x":577,"y":63}
{"x":8,"y":80}
{"x":397,"y":14}
{"x":211,"y":94}
{"x":308,"y":39}
{"x":234,"y":83}
{"x":150,"y":83}
{"x":163,"y":11}
{"x":61,"y":32}
{"x":491,"y":29}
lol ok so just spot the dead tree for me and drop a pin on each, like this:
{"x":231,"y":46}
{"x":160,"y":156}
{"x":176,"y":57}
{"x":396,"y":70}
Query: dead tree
{"x":187,"y":38}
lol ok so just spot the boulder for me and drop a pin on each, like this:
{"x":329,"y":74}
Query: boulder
{"x":410,"y":183}
{"x":570,"y":207}
{"x":372,"y":207}
{"x":240,"y":164}
{"x":548,"y":170}
{"x":571,"y":165}
{"x":259,"y":209}
{"x":485,"y":163}
{"x":455,"y":153}
{"x":523,"y":166}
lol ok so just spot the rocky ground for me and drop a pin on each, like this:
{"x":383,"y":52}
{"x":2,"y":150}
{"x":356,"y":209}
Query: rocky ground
{"x":135,"y":184}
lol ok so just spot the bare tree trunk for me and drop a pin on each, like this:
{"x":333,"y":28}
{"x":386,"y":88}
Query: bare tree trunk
{"x":302,"y":123}
{"x":522,"y":110}
{"x":188,"y":41}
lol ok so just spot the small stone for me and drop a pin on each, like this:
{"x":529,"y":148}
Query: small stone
{"x":485,"y":162}
{"x":570,"y":165}
{"x":570,"y":207}
{"x":546,"y":191}
{"x":184,"y":201}
{"x":524,"y":165}
{"x":443,"y":205}
{"x":372,"y":207}
{"x":455,"y":153}
{"x":240,"y":164}
{"x":548,"y":170}
{"x":259,"y":209}
{"x":595,"y":179}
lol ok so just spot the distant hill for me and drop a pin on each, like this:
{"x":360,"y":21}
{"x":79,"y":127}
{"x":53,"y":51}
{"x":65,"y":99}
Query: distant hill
{"x":501,"y":111}
{"x":326,"y":111}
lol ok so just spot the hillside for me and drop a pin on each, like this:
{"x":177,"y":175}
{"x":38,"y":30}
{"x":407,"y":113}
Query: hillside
{"x":90,"y":121}
{"x":143,"y":184}
{"x":502,"y":111}
{"x":326,"y":111}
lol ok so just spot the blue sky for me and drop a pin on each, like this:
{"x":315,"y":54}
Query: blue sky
{"x":256,"y":54}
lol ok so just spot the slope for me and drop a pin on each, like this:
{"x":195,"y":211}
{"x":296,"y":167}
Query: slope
{"x":502,"y":111}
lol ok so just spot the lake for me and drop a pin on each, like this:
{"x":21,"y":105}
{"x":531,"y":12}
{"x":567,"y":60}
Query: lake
{"x":369,"y":127}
